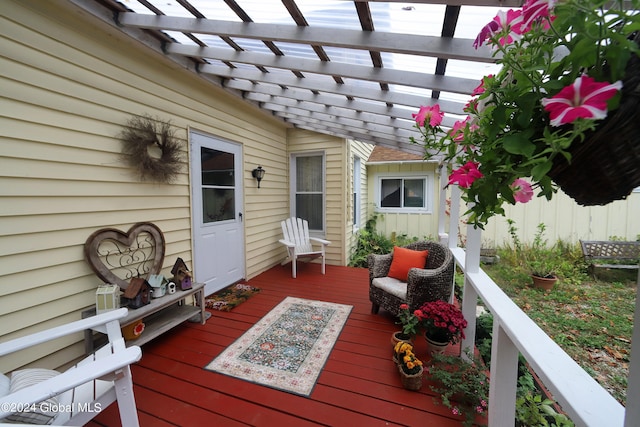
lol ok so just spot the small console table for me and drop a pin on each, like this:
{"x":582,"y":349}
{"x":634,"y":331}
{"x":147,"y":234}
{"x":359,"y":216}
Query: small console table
{"x":116,"y":257}
{"x":159,"y":316}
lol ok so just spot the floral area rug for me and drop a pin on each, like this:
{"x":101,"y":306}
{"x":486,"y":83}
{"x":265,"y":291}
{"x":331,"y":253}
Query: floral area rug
{"x":288,"y":347}
{"x":231,"y":296}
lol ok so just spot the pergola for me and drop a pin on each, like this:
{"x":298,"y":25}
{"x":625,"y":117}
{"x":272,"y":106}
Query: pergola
{"x":352,"y":69}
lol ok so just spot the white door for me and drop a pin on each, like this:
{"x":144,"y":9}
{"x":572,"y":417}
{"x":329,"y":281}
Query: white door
{"x":218,"y":234}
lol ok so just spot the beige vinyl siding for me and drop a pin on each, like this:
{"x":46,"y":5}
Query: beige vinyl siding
{"x":421,"y":225}
{"x":363,"y":151}
{"x":334,"y":150}
{"x":565,"y":219}
{"x":68,"y":87}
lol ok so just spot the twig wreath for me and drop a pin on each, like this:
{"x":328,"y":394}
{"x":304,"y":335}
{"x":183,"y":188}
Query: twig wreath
{"x":143,"y":133}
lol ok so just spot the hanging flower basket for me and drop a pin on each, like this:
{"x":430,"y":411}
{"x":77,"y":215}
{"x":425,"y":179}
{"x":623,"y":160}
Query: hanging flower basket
{"x":606,"y":166}
{"x":562,"y":112}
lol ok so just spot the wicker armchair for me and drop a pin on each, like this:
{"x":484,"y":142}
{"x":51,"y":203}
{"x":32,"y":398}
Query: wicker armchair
{"x":433,"y":282}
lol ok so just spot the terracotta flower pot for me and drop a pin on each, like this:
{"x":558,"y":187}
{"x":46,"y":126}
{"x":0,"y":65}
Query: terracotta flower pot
{"x":545,"y":283}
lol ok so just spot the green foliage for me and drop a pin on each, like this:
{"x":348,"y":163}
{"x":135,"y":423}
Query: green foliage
{"x":462,"y":386}
{"x":591,"y":319}
{"x":371,"y":241}
{"x":484,"y":333}
{"x":534,"y":410}
{"x":562,"y":259}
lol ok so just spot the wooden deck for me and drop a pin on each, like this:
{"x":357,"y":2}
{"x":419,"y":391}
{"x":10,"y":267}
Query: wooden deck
{"x":359,"y":385}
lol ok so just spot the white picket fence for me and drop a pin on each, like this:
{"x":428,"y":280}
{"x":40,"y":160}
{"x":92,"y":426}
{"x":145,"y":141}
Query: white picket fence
{"x":580,"y":396}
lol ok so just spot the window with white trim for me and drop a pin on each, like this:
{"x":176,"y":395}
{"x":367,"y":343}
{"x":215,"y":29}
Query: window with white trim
{"x":407,"y":193}
{"x":307,"y":184}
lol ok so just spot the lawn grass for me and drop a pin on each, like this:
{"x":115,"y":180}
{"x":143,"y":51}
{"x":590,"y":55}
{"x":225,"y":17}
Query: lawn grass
{"x":590,"y":317}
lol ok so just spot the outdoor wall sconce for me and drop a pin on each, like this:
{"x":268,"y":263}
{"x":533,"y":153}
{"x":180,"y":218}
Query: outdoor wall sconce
{"x":258,"y":174}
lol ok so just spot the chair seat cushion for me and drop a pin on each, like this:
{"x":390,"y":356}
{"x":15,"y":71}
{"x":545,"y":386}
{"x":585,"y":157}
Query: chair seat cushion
{"x":405,"y":259}
{"x":40,"y":413}
{"x":391,"y":286}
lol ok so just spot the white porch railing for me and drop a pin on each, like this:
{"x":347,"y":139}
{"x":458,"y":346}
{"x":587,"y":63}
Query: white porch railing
{"x":580,"y":396}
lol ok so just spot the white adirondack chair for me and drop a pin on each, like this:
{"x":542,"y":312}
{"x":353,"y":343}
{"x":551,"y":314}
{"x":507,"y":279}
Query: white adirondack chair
{"x":83,"y":390}
{"x":298,"y":243}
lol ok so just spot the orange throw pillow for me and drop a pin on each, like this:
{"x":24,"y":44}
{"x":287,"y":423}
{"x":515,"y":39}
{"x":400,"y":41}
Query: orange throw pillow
{"x":405,"y":259}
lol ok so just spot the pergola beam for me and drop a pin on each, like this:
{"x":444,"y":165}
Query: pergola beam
{"x":409,"y":44}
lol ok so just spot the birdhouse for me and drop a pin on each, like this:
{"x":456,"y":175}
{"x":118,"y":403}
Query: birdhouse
{"x":181,"y":275}
{"x":138,"y":293}
{"x":158,"y":284}
{"x":107,"y":298}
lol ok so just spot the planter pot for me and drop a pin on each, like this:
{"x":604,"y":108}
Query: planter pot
{"x":411,"y":382}
{"x":397,"y":337}
{"x":435,"y":346}
{"x":545,"y":283}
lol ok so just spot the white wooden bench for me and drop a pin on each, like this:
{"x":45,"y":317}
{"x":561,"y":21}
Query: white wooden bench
{"x":611,"y":254}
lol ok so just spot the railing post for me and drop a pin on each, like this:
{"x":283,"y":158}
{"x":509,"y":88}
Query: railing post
{"x":470,"y":295}
{"x":504,"y":378}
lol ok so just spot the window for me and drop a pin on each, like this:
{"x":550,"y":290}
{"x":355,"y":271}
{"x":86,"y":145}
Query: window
{"x":403,"y":193}
{"x":308,"y":189}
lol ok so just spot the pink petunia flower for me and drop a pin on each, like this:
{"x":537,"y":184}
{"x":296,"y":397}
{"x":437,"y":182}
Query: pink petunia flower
{"x":432,"y":115}
{"x":456,"y":132}
{"x":465,"y":175}
{"x":480,"y":88}
{"x":585,"y":98}
{"x":536,"y":10}
{"x":506,"y":23}
{"x":522,"y":190}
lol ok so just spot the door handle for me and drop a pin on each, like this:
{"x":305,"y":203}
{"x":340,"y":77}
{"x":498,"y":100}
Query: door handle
{"x":240,"y":214}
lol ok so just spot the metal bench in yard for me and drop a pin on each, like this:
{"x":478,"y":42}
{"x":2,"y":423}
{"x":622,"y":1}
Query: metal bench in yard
{"x":612,"y":254}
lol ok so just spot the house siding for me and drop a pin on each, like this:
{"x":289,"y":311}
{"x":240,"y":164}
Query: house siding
{"x":69,"y":84}
{"x":421,"y":225}
{"x":563,"y":217}
{"x":363,"y":151}
{"x":334,"y":150}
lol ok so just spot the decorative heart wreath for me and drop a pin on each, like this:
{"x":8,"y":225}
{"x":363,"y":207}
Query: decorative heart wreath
{"x":142,"y":133}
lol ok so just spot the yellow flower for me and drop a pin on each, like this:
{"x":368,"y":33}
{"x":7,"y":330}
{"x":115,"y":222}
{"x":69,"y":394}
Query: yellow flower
{"x":410,"y":365}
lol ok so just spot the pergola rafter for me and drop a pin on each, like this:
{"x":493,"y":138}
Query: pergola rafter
{"x":316,"y":76}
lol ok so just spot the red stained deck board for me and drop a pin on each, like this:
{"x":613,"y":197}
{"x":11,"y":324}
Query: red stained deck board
{"x":359,"y":384}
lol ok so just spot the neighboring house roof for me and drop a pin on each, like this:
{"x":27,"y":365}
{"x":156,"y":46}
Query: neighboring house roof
{"x":382,"y":154}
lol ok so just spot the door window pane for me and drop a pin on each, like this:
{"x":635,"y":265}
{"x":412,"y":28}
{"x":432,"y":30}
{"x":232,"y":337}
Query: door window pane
{"x":218,"y":185}
{"x":217,"y":167}
{"x":218,"y":204}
